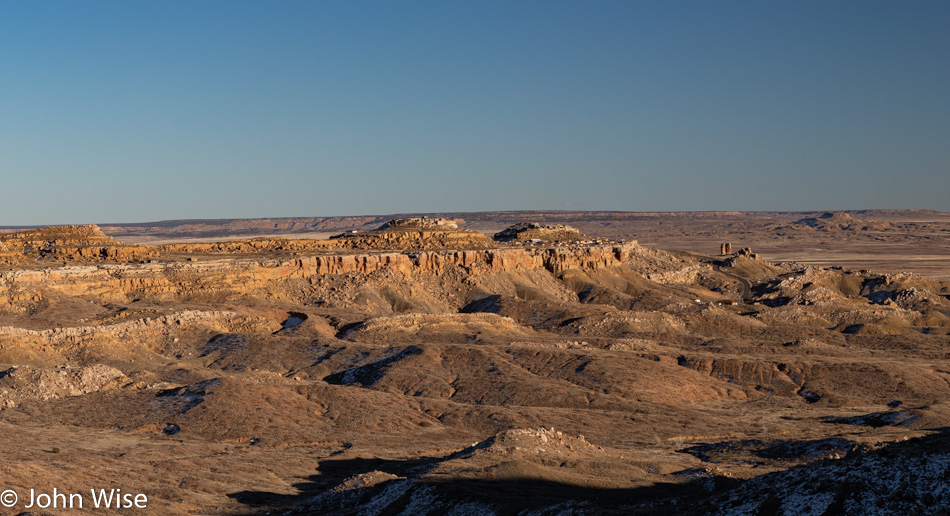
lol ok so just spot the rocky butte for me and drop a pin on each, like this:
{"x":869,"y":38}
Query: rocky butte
{"x":415,"y":233}
{"x":424,"y":368}
{"x":537,"y":232}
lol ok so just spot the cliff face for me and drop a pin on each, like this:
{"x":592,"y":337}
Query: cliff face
{"x":121,"y":282}
{"x":497,"y":260}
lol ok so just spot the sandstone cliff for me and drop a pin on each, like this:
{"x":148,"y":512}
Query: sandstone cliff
{"x":122,"y":282}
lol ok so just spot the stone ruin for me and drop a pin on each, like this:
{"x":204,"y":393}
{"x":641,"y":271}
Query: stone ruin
{"x":747,"y":252}
{"x":725,"y":248}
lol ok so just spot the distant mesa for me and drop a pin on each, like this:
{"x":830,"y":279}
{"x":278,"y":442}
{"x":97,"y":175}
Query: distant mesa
{"x":415,"y":233}
{"x":85,"y":233}
{"x":827,"y":219}
{"x":419,"y":223}
{"x":831,"y":221}
{"x":836,"y":216}
{"x":534,"y":231}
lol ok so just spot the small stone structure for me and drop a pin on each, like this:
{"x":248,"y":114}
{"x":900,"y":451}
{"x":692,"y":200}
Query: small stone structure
{"x":747,"y":252}
{"x":725,"y":248}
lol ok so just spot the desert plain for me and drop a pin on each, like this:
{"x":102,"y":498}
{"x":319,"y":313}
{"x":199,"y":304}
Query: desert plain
{"x":482,"y":363}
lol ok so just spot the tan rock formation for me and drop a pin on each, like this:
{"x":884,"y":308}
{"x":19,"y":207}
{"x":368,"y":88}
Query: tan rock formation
{"x":534,"y":231}
{"x":247,"y":276}
{"x":415,"y":233}
{"x":67,"y":243}
{"x":23,"y":383}
{"x":419,"y":223}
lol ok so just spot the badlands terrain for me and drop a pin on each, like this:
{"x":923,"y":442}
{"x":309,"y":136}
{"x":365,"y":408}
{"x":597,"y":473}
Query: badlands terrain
{"x":491,"y":363}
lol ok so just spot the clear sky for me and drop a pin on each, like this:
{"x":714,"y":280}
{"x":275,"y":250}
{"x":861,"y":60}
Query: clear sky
{"x":119,"y":111}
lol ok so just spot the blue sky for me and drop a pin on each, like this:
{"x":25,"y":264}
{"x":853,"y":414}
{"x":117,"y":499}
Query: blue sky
{"x":139,"y":111}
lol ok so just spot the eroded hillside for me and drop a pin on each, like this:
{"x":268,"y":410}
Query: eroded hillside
{"x":423,"y":370}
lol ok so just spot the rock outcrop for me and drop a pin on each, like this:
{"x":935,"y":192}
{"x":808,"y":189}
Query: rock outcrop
{"x":419,"y":223}
{"x":534,"y":231}
{"x":174,"y":280}
{"x":67,"y":243}
{"x":415,"y":233}
{"x":27,"y":383}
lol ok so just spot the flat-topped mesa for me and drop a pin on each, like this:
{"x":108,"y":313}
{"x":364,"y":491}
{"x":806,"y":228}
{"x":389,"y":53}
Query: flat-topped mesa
{"x":67,"y":243}
{"x":415,"y":233}
{"x":834,"y":221}
{"x":79,"y":232}
{"x":535,"y":231}
{"x":419,"y":223}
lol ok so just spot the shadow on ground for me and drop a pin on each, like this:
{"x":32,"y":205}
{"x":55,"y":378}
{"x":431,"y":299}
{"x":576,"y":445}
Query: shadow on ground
{"x":402,"y":494}
{"x":377,"y":486}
